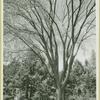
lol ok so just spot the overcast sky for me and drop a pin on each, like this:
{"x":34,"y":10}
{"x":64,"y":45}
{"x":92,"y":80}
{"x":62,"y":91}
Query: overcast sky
{"x":84,"y":52}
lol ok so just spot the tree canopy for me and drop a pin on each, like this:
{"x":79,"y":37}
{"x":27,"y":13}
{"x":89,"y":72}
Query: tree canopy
{"x":53,"y":31}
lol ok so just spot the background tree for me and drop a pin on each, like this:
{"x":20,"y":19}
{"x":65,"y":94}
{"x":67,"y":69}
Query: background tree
{"x":29,"y":77}
{"x":55,"y":34}
{"x":34,"y":82}
{"x":10,"y":83}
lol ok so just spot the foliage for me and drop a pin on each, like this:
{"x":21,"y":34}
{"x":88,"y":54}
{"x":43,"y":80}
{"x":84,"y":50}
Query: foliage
{"x":34,"y":82}
{"x":83,"y":78}
{"x":51,"y":32}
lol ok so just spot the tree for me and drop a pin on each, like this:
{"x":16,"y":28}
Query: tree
{"x":10,"y":78}
{"x":36,"y":82}
{"x":93,"y":59}
{"x":54,"y":34}
{"x":82,"y":78}
{"x":31,"y":81}
{"x":90,"y":78}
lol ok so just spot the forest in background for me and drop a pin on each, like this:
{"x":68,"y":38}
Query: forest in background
{"x":29,"y":80}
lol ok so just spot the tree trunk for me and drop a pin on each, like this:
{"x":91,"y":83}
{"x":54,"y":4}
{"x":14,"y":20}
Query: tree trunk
{"x":30,"y":94}
{"x":60,"y":94}
{"x":26,"y":92}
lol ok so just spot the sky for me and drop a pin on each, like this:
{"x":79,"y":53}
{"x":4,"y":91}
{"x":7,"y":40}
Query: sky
{"x":84,"y":52}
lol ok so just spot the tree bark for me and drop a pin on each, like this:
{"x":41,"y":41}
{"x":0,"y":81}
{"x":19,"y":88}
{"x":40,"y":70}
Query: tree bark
{"x":60,"y":94}
{"x":26,"y":92}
